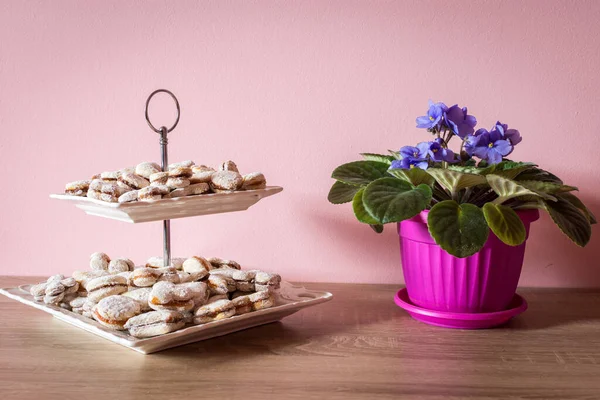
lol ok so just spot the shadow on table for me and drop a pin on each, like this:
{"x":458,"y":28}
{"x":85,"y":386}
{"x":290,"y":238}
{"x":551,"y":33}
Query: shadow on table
{"x":555,"y":308}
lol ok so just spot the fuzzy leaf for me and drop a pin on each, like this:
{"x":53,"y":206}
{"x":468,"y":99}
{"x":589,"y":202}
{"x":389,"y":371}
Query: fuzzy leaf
{"x":360,"y":172}
{"x":460,"y":229}
{"x":341,"y":193}
{"x":513,"y":169}
{"x":472,"y":169}
{"x":378,"y":157}
{"x":571,"y":221}
{"x":507,"y":189}
{"x":416,"y":176}
{"x":505,"y":223}
{"x":537,"y":174}
{"x":547,"y":187}
{"x":571,"y":198}
{"x":359,"y":209}
{"x":454,"y":181}
{"x":394,"y":200}
{"x":377,"y":227}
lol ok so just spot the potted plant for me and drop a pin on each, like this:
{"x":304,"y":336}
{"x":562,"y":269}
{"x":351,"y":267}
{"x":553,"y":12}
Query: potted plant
{"x":463,"y":217}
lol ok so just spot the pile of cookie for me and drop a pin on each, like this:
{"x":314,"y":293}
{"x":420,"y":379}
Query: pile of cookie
{"x":147,"y":182}
{"x":153,"y":300}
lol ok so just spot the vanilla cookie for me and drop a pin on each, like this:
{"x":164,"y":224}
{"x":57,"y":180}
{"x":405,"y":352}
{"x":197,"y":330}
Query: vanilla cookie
{"x":155,"y":323}
{"x":220,"y":284}
{"x":38,"y":290}
{"x":197,"y":188}
{"x":200,"y":292}
{"x":243,"y":305}
{"x":226,"y":181}
{"x":186,"y":163}
{"x":99,"y":261}
{"x":196,"y":264}
{"x":114,"y":311}
{"x":217,"y":297}
{"x":104,"y":286}
{"x":261,"y":300}
{"x":134,"y":181}
{"x":141,"y":295}
{"x":201,"y":174}
{"x":109,"y":198}
{"x":177,"y":182}
{"x":77,"y":188}
{"x":150,"y":193}
{"x":159,"y":178}
{"x":168,"y":274}
{"x":181,"y":192}
{"x":267,"y":281}
{"x":168,"y":296}
{"x":77,"y":304}
{"x":83,"y":277}
{"x":120,"y":265}
{"x":228,"y":166}
{"x":144,"y":277}
{"x":109,"y":176}
{"x":128,"y":197}
{"x":253,"y":181}
{"x":217,"y":262}
{"x":214,"y":312}
{"x":146,"y":169}
{"x":180,"y":172}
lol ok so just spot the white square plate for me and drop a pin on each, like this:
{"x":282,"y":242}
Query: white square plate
{"x":289,"y":300}
{"x":178,"y":207}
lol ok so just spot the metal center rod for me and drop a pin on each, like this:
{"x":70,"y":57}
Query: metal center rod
{"x":166,"y":223}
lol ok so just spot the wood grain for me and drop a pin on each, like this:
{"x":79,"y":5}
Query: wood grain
{"x":358,"y":346}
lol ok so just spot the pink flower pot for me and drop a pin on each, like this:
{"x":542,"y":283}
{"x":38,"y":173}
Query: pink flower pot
{"x":484,"y":282}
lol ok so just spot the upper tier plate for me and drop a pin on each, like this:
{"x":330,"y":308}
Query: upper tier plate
{"x":179,"y":207}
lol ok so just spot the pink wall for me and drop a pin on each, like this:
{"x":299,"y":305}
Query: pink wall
{"x":291,"y":89}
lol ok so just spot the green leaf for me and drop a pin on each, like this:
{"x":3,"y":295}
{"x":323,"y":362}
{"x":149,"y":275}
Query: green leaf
{"x":378,"y":157}
{"x":360,"y":173}
{"x":507,"y":189}
{"x":395,"y":154}
{"x":394,"y":200}
{"x":505,"y":223}
{"x":507,"y":165}
{"x":571,"y":221}
{"x":454,"y":180}
{"x":342,"y":193}
{"x":537,"y":174}
{"x":547,"y":187}
{"x":571,"y":198}
{"x":359,"y":209}
{"x":460,"y":229}
{"x":416,"y":176}
{"x":472,"y":169}
{"x":514,"y":170}
{"x":377,"y":228}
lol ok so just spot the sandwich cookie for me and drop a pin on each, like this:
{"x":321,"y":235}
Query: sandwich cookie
{"x":144,"y":277}
{"x":226,"y":181}
{"x":253,"y":181}
{"x":141,"y":295}
{"x":168,"y":296}
{"x":155,"y":323}
{"x":146,"y":169}
{"x":114,"y":311}
{"x":104,"y":286}
{"x":77,"y":188}
{"x":216,"y":311}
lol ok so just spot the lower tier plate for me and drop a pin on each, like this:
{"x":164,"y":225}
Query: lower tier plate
{"x":289,"y":300}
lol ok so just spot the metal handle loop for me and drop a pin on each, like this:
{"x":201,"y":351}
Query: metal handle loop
{"x":176,"y":104}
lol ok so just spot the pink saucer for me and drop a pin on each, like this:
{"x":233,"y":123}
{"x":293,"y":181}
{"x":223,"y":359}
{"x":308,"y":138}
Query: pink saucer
{"x":460,"y":320}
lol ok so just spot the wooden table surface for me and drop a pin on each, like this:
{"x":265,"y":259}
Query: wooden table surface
{"x":358,"y":346}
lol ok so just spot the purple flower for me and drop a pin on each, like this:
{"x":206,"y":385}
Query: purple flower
{"x":512,"y":135}
{"x":420,"y":151}
{"x":434,"y":117}
{"x":436,"y":152}
{"x":410,"y":162}
{"x":491,"y":146}
{"x":471,"y":141}
{"x":459,"y":122}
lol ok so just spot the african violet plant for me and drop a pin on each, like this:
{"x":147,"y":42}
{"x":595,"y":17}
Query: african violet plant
{"x":465,"y":192}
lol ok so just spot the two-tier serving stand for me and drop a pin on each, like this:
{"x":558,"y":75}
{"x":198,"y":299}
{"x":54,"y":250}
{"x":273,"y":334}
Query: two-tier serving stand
{"x":291,"y":298}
